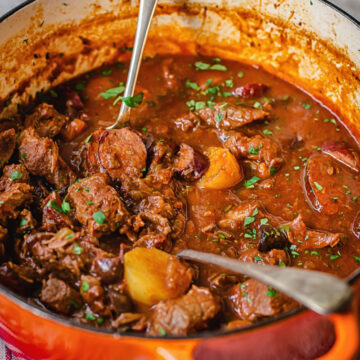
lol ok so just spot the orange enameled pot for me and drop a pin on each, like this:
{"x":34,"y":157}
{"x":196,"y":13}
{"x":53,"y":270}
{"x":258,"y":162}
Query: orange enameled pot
{"x":310,"y":43}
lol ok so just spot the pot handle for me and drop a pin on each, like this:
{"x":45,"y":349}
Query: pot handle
{"x":347,"y":337}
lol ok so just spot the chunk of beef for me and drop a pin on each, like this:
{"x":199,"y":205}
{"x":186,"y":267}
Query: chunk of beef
{"x":21,"y":279}
{"x":58,"y":254}
{"x":263,"y":154}
{"x":73,"y":104}
{"x":161,"y":155}
{"x":43,"y":159}
{"x":93,"y":294}
{"x":342,"y":153}
{"x":129,"y":320}
{"x":7,"y":146}
{"x":120,"y":153}
{"x":304,"y":238}
{"x":53,"y":218}
{"x":12,"y":174}
{"x":107,"y":267}
{"x":187,"y":122}
{"x":234,"y":219}
{"x":271,"y":238}
{"x":228,"y":117}
{"x":186,"y":314}
{"x":46,"y":120}
{"x":252,"y":300}
{"x":119,"y":301}
{"x":13,"y":199}
{"x":3,"y":239}
{"x":97,"y":205}
{"x":189,"y":164}
{"x":324,"y":189}
{"x":73,"y":129}
{"x":59,"y":296}
{"x":251,"y":90}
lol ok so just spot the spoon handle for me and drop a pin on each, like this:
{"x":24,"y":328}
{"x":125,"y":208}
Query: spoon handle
{"x":146,"y":12}
{"x":320,"y":292}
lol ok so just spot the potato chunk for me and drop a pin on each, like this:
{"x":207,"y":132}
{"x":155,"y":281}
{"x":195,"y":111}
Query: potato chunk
{"x":153,"y":275}
{"x":224,"y":170}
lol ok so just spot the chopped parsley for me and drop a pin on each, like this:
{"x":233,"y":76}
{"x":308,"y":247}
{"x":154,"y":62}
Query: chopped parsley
{"x":199,"y":65}
{"x":89,"y":317}
{"x":258,"y":258}
{"x":218,"y":117}
{"x":106,"y":72}
{"x":77,"y":249}
{"x":131,"y":101}
{"x":85,"y":286}
{"x":257,"y":105}
{"x":255,"y":151}
{"x":240,"y":74}
{"x":65,"y":206}
{"x":267,"y":132}
{"x":23,"y":222}
{"x":272,"y":170}
{"x":99,"y":217}
{"x":16,"y":175}
{"x":192,"y":85}
{"x":264,"y":221}
{"x":54,"y":205}
{"x":162,"y":332}
{"x":318,"y":186}
{"x":24,"y":155}
{"x":271,"y":292}
{"x":113,"y":92}
{"x":249,"y":184}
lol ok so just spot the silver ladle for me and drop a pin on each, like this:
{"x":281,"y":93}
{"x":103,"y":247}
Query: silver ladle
{"x":320,"y":292}
{"x":146,"y":12}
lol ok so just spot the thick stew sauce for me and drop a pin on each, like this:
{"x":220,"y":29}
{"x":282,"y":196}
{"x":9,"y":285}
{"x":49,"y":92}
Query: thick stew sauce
{"x":218,"y":157}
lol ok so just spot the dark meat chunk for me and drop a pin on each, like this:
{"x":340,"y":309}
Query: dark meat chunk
{"x":7,"y":146}
{"x":74,"y":103}
{"x":228,"y":117}
{"x":161,"y":156}
{"x":342,"y":153}
{"x":271,"y":238}
{"x":187,"y":122}
{"x":119,"y":301}
{"x":73,"y":129}
{"x":46,"y":120}
{"x":43,"y":159}
{"x":324,"y":189}
{"x":93,"y":294}
{"x":57,"y":253}
{"x":97,"y":205}
{"x":189,"y":164}
{"x":53,"y":217}
{"x":13,"y":199}
{"x":304,"y":238}
{"x":252,"y":300}
{"x":249,"y":91}
{"x":107,"y":267}
{"x":186,"y":314}
{"x":234,"y":219}
{"x":120,"y":153}
{"x":129,"y":320}
{"x":263,"y":154}
{"x":18,"y":278}
{"x":3,"y":239}
{"x":13,"y":174}
{"x":59,"y":296}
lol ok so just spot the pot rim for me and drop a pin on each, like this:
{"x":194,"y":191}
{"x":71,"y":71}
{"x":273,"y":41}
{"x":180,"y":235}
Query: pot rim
{"x":47,"y":315}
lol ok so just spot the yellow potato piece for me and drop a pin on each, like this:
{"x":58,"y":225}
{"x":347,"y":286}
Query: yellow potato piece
{"x":153,"y":275}
{"x":224,"y":170}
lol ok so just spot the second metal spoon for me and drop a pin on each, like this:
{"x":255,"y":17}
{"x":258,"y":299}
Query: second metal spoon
{"x":146,"y":12}
{"x":320,"y":292}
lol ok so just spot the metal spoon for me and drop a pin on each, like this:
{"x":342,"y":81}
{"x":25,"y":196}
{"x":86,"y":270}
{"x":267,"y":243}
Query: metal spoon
{"x":320,"y":292}
{"x":146,"y":12}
